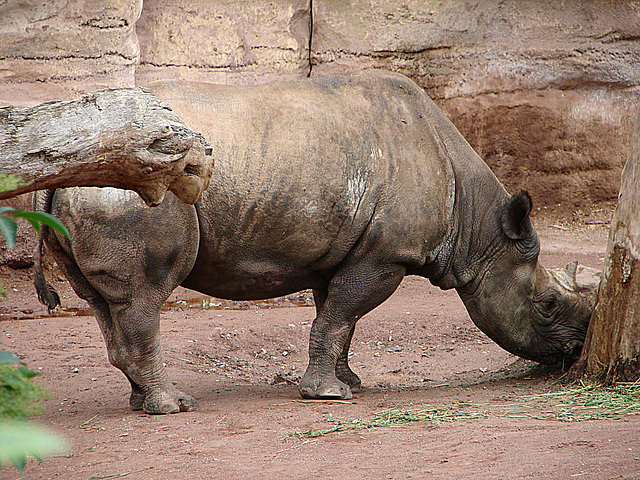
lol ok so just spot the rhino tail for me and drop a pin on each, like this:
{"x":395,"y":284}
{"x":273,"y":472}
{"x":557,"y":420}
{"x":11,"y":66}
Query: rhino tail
{"x":46,"y":293}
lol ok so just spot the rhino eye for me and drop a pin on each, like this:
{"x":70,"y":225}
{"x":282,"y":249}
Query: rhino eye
{"x":548,"y":298}
{"x":546,"y":305}
{"x":549,"y":303}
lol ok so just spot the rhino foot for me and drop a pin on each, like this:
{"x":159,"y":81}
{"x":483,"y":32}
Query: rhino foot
{"x":323,"y":387}
{"x":162,"y":402}
{"x":136,"y":401}
{"x":351,"y":379}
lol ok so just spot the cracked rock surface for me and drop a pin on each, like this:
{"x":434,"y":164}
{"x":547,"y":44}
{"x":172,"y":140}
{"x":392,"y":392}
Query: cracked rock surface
{"x":546,"y":91}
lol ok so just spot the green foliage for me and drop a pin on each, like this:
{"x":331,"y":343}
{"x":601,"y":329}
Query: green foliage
{"x":20,"y":397}
{"x":8,"y":357}
{"x":587,"y":402}
{"x":19,"y":439}
{"x":393,"y":418}
{"x":572,"y":404}
{"x":89,"y":424}
{"x":9,"y":227}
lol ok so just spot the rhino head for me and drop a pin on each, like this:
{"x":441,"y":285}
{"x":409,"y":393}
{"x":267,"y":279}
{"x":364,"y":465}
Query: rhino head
{"x":536,"y":313}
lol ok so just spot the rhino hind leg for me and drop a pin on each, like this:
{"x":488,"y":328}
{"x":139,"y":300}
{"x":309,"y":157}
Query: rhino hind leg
{"x":136,"y":399}
{"x":131,"y":332}
{"x":106,"y":322}
{"x":160,"y":402}
{"x":353,"y":291}
{"x":130,"y":328}
{"x":131,"y":335}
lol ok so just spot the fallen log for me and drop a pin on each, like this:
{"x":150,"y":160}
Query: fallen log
{"x":123,"y":138}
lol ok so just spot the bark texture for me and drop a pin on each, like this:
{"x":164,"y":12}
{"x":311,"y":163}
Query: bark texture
{"x":123,"y":138}
{"x":612,"y":348}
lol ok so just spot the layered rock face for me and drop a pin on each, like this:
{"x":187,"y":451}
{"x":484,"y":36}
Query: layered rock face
{"x":61,"y":49}
{"x":545,"y":91}
{"x":235,"y":42}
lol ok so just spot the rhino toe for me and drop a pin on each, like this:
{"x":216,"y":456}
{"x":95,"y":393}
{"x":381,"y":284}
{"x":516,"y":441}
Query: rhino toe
{"x":320,"y":389}
{"x":162,"y":403}
{"x":351,"y":379}
{"x":187,"y":403}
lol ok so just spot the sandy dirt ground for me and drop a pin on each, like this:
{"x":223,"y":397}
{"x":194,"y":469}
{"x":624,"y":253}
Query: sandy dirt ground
{"x":417,"y":351}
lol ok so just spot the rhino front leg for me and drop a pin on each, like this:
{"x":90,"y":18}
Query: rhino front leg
{"x":343,"y":371}
{"x":133,"y":345}
{"x":326,"y":341}
{"x":353,"y":291}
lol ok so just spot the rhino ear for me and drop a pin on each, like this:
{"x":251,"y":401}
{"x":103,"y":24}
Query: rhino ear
{"x":515,"y":217}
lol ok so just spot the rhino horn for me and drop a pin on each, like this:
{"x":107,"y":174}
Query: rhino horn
{"x":588,"y":279}
{"x":566,"y":276}
{"x":576,"y":279}
{"x":587,"y":282}
{"x":584,"y":280}
{"x":571,"y":269}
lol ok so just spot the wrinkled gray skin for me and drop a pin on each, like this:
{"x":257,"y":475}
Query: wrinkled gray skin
{"x":343,"y":185}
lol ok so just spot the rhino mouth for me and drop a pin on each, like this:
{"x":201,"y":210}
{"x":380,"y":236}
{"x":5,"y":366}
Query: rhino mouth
{"x":565,"y":356}
{"x":572,"y":351}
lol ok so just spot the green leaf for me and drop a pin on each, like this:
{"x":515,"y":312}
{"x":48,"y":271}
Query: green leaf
{"x":34,"y":224}
{"x":27,"y":372}
{"x":9,"y":229}
{"x":8,"y":357}
{"x":19,"y":461}
{"x":19,"y":395}
{"x":19,"y":439}
{"x":41,"y":217}
{"x":6,"y":209}
{"x":3,"y":292}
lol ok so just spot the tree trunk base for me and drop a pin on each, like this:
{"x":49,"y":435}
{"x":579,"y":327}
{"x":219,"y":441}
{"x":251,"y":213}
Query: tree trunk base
{"x":611,"y":351}
{"x":620,"y":370}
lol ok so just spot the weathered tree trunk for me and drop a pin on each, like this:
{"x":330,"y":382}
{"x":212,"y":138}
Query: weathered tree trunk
{"x":612,"y":347}
{"x":122,"y":138}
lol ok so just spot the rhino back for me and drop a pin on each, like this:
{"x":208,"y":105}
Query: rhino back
{"x":305,"y":171}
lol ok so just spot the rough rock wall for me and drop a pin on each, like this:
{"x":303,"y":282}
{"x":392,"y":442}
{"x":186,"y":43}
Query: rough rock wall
{"x":60,"y":49}
{"x":223,"y":42}
{"x":545,"y":91}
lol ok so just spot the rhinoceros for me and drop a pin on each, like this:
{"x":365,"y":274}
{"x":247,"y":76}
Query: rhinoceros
{"x":343,"y":185}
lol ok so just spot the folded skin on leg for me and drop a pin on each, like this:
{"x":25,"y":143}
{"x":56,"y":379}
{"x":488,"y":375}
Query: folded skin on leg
{"x":133,"y":344}
{"x":353,"y":291}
